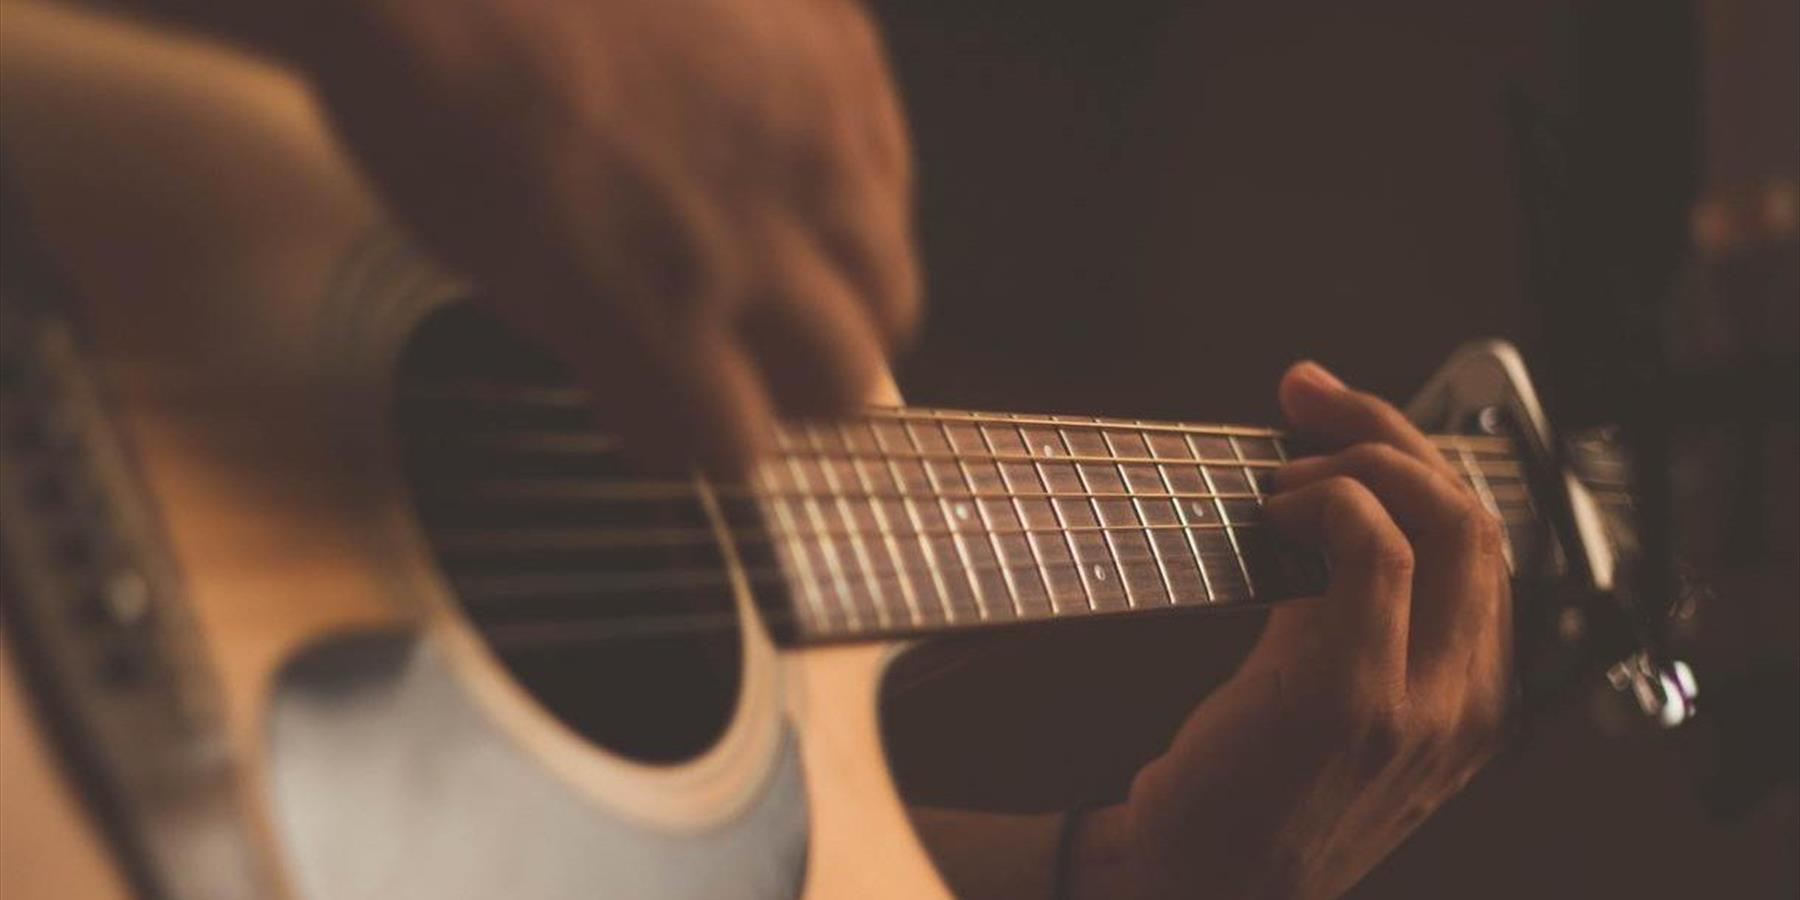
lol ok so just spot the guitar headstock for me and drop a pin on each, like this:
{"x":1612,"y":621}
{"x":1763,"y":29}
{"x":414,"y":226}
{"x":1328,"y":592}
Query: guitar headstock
{"x":1579,"y":612}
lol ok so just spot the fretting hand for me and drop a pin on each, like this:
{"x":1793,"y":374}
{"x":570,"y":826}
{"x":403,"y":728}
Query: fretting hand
{"x":1358,"y":713}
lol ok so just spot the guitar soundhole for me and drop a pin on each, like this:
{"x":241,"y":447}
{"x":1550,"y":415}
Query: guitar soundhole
{"x":603,"y":592}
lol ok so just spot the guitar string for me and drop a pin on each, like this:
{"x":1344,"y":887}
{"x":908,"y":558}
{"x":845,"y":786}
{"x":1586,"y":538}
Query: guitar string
{"x":490,"y":591}
{"x":603,"y":446}
{"x":591,"y":584}
{"x":576,"y":399}
{"x":487,"y":540}
{"x":574,"y":586}
{"x":486,"y":592}
{"x":596,"y":538}
{"x":562,"y":489}
{"x":721,"y":577}
{"x":578,"y":488}
{"x":596,"y":582}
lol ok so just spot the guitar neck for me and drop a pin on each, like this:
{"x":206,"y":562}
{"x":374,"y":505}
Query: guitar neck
{"x":898,"y":521}
{"x":906,"y":520}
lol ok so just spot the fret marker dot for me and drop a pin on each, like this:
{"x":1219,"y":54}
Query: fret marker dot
{"x":962,"y":511}
{"x":1048,"y":450}
{"x":1199,"y":509}
{"x":1099,"y":572}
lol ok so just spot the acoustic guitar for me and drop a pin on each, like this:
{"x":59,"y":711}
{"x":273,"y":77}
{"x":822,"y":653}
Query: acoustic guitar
{"x":318,"y":583}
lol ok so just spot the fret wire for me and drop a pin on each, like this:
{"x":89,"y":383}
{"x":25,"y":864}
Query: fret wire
{"x":1078,"y":458}
{"x":846,"y":600}
{"x":981,"y":515}
{"x":1481,"y":442}
{"x":1162,"y":475}
{"x":476,"y":540}
{"x":1055,"y":421}
{"x":1018,"y":509}
{"x":562,"y":441}
{"x":577,"y":443}
{"x":1106,"y":537}
{"x":1486,"y":497}
{"x":791,"y":511}
{"x":1243,"y":563}
{"x":857,"y":546}
{"x":830,"y":584}
{"x":491,"y":591}
{"x":1224,"y":517}
{"x":797,"y":554}
{"x":912,"y":514}
{"x":957,"y":539}
{"x":550,"y":489}
{"x":908,"y":591}
{"x":1114,"y":539}
{"x":577,"y":398}
{"x":1137,"y":513}
{"x":1002,"y":567}
{"x":1068,"y":536}
{"x":514,"y":539}
{"x":517,"y":588}
{"x":1280,"y":446}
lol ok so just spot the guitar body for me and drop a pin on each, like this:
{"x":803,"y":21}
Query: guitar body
{"x":318,"y":584}
{"x":244,"y":304}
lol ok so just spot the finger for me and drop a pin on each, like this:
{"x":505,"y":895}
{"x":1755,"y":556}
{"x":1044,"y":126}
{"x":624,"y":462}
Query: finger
{"x":873,"y":96}
{"x":865,"y":229}
{"x":1370,"y":593}
{"x":812,"y":340}
{"x":660,"y":362}
{"x":860,"y":213}
{"x":1324,"y":411}
{"x":1455,"y":540}
{"x":1491,"y":667}
{"x":1417,"y":495}
{"x":700,"y":403}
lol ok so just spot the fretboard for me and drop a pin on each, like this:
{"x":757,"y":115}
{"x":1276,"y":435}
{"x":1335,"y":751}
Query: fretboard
{"x":899,"y":521}
{"x":910,"y":520}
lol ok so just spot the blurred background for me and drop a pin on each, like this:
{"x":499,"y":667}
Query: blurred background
{"x":1151,"y":208}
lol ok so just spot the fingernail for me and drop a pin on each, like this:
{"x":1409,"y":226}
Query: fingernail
{"x":1319,"y":376}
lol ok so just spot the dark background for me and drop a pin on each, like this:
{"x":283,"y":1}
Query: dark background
{"x":1151,"y":208}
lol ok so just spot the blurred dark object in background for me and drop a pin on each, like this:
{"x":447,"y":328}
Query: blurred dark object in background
{"x":1151,"y":209}
{"x":1671,"y":321}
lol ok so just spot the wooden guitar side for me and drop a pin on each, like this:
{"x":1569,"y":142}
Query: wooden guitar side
{"x":204,"y":216}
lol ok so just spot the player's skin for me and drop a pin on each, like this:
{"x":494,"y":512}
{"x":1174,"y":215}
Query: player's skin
{"x":704,"y":207}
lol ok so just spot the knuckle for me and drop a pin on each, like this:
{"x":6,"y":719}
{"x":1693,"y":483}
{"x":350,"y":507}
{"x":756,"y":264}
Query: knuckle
{"x":842,"y":392}
{"x":1393,"y":422}
{"x":1379,"y":414}
{"x":1380,"y":734}
{"x":1345,"y":497}
{"x":1376,"y":542}
{"x":1435,"y":731}
{"x":1390,"y":555}
{"x":1477,"y":530}
{"x":898,"y":302}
